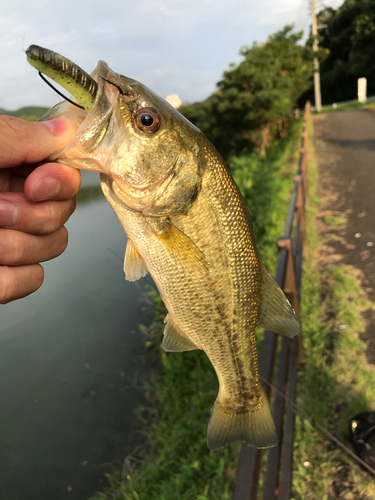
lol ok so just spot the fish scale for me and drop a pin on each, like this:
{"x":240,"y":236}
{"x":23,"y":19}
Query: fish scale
{"x":245,"y":274}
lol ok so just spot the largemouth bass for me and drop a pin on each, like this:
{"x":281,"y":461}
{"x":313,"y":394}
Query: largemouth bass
{"x":188,"y":225}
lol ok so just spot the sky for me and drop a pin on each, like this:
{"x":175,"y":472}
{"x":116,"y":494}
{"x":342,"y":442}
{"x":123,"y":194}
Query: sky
{"x":172,"y":46}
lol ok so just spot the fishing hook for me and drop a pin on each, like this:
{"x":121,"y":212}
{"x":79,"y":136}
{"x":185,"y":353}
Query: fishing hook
{"x":112,"y":83}
{"x":58,"y":92}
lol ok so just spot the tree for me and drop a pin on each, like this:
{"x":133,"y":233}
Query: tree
{"x":255,"y":99}
{"x":349,"y":35}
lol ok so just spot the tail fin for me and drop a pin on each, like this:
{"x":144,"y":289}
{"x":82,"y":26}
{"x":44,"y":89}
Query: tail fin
{"x":254,"y":427}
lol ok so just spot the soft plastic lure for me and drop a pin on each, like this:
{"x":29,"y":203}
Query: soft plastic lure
{"x":64,"y":72}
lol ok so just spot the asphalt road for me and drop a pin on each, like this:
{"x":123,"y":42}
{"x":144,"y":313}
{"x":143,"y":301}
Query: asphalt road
{"x":345,"y":147}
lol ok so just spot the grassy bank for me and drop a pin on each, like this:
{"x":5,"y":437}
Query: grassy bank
{"x":176,"y":462}
{"x":348,"y":106}
{"x":336,"y":381}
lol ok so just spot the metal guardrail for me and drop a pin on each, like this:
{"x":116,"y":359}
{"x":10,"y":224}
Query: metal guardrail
{"x":278,"y":473}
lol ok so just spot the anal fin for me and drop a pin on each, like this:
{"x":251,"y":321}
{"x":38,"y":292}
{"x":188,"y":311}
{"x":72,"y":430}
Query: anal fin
{"x":134,"y":267}
{"x":255,"y":427}
{"x":276,"y":313}
{"x":174,"y":340}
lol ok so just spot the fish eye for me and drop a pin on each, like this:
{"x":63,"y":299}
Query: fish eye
{"x":147,"y":120}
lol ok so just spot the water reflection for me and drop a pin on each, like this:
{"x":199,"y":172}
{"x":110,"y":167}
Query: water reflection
{"x":68,"y":355}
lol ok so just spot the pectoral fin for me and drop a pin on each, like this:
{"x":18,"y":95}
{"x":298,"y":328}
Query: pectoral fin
{"x":276,"y":313}
{"x":177,"y":244}
{"x":134,"y":267}
{"x":174,"y":340}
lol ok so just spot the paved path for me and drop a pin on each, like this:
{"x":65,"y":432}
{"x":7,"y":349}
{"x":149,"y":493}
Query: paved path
{"x":345,"y":147}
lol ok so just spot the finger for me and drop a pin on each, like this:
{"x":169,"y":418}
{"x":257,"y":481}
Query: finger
{"x":17,"y":282}
{"x":31,"y":142}
{"x":52,"y":181}
{"x":21,"y":249}
{"x":44,"y":217}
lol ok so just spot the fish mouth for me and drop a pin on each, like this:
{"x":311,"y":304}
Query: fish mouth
{"x":91,"y":111}
{"x":98,"y":121}
{"x":95,"y":97}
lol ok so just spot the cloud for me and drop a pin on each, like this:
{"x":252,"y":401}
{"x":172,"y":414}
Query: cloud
{"x":291,"y":11}
{"x":173,"y":46}
{"x":282,"y":12}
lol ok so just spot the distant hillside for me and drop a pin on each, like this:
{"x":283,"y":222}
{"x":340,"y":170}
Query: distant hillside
{"x":35,"y":111}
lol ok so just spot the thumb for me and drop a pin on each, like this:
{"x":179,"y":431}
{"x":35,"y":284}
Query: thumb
{"x":30,"y":142}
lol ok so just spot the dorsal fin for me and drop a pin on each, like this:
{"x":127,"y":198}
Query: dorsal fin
{"x":134,"y":266}
{"x":276,"y":313}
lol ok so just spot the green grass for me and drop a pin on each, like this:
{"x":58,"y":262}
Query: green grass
{"x":176,"y":463}
{"x":336,"y":381}
{"x":334,"y":221}
{"x":347,"y":107}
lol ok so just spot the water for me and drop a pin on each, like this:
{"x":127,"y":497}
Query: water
{"x":71,"y":364}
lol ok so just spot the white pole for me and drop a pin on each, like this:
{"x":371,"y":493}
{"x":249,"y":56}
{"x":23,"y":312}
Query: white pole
{"x":318,"y":98}
{"x":362,"y":89}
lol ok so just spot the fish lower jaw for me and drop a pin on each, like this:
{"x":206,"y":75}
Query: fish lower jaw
{"x":80,"y":163}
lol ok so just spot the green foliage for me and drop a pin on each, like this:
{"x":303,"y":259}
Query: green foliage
{"x":27,"y":113}
{"x":266,"y":184}
{"x":177,"y":463}
{"x":29,"y":118}
{"x":348,"y":33}
{"x":334,"y":384}
{"x":255,"y":99}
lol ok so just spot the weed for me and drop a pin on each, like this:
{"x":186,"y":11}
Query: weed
{"x":176,"y":462}
{"x":347,"y":107}
{"x":336,"y":382}
{"x":334,"y":221}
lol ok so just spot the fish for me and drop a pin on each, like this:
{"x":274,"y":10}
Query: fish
{"x":188,"y":225}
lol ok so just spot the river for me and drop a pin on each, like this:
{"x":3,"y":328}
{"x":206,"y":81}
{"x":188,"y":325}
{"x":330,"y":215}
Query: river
{"x":71,"y":365}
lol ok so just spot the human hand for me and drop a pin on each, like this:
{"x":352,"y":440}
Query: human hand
{"x":35,"y":201}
